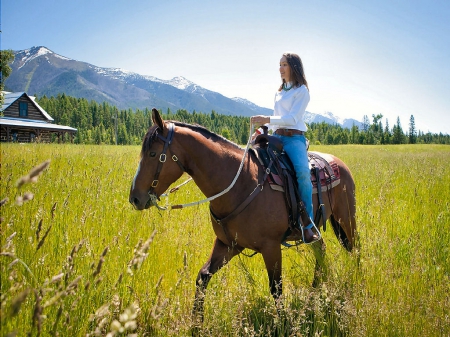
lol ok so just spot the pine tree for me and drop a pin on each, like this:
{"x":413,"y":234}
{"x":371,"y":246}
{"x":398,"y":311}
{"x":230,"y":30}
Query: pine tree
{"x":397,"y":137}
{"x":366,"y":123}
{"x":122,"y":135}
{"x":96,"y":125}
{"x":244,"y":133}
{"x":354,"y":134}
{"x":412,"y":136}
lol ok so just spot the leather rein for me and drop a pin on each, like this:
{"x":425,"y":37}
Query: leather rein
{"x":162,"y":159}
{"x":221,"y":221}
{"x":154,"y":198}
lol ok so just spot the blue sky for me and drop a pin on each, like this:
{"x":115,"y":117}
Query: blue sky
{"x":360,"y":57}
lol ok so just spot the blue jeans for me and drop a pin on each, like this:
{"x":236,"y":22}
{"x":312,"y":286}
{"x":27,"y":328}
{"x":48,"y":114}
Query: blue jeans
{"x":295,"y":147}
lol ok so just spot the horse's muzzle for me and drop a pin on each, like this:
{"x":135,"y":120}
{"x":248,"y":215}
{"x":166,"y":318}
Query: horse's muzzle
{"x":139,"y":201}
{"x":138,"y":205}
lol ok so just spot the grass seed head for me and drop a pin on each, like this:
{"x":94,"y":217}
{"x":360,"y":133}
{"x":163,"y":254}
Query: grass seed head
{"x":119,"y":280}
{"x":43,"y":238}
{"x":38,"y":230}
{"x":3,"y":201}
{"x":98,"y":281}
{"x":19,"y":200}
{"x":13,"y":263}
{"x":74,"y":284}
{"x":17,"y":302}
{"x":9,"y":238}
{"x":37,"y":313}
{"x":33,"y":175}
{"x":99,"y":266}
{"x":53,"y":210}
{"x":100,"y":312}
{"x":57,"y":278}
{"x":105,"y":251}
{"x":36,"y":171}
{"x":27,"y":196}
{"x":7,"y":254}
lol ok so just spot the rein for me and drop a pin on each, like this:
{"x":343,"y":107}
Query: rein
{"x":162,"y":158}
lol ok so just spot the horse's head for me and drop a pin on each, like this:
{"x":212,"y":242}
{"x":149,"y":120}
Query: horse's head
{"x":159,"y":166}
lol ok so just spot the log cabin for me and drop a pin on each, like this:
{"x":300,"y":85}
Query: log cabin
{"x":23,"y":120}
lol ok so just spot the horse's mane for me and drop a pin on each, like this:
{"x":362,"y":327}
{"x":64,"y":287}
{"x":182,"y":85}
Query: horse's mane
{"x":152,"y":133}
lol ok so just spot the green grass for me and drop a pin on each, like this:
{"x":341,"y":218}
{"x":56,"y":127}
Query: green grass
{"x":396,"y":284}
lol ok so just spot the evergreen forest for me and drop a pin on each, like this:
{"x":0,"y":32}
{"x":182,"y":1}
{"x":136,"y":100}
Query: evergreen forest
{"x":102,"y":123}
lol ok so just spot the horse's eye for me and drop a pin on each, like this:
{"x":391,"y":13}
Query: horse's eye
{"x":152,"y":154}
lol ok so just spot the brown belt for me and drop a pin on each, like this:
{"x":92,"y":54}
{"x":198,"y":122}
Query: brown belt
{"x":288,"y":132}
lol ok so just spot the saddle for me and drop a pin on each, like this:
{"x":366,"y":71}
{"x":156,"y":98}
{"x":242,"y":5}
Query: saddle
{"x":281,"y":175}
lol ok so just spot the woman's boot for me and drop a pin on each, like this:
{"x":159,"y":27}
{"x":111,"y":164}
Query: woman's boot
{"x":310,"y":233}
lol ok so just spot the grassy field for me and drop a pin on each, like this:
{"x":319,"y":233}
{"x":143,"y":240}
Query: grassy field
{"x":77,"y":260}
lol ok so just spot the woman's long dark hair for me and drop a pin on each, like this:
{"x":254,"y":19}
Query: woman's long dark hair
{"x":297,"y":73}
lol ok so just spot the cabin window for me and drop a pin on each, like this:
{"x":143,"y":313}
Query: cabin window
{"x":23,"y":109}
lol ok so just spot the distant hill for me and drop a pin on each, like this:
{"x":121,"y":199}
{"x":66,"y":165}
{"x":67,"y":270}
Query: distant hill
{"x":39,"y":71}
{"x":329,"y":118}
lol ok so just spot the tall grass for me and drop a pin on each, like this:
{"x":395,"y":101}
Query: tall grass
{"x":77,"y":260}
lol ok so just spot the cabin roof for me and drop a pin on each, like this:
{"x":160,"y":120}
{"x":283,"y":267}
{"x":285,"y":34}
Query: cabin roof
{"x":18,"y":122}
{"x":11,"y":97}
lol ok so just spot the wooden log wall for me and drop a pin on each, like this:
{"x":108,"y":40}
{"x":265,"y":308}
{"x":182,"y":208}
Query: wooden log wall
{"x":33,"y":112}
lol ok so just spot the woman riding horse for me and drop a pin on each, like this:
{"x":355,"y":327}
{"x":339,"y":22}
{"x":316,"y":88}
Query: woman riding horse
{"x":244,"y":214}
{"x":287,"y":122}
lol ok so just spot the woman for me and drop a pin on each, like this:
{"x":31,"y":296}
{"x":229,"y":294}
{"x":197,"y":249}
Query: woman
{"x":287,"y":123}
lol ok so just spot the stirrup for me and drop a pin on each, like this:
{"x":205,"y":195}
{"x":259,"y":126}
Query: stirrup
{"x":311,"y":225}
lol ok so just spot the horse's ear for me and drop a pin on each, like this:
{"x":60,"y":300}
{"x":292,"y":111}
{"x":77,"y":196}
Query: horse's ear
{"x":156,"y":118}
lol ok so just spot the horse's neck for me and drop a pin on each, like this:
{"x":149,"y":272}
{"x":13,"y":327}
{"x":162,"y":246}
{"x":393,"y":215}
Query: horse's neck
{"x":212,"y":164}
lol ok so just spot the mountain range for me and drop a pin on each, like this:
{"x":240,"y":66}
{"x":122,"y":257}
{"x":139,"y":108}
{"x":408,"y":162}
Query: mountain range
{"x":39,"y":71}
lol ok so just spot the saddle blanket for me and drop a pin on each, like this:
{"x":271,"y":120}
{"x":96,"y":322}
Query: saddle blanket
{"x":328,"y":171}
{"x":329,"y":175}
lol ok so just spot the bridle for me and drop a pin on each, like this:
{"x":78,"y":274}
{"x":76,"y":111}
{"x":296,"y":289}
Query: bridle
{"x":222,"y":222}
{"x":162,"y":159}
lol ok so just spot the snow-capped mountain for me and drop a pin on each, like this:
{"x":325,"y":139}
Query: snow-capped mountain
{"x":182,"y":83}
{"x":330,"y":118}
{"x":27,"y":55}
{"x":40,"y":71}
{"x":252,"y":106}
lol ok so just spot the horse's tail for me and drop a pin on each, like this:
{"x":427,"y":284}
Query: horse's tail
{"x":340,"y":234}
{"x":343,"y":214}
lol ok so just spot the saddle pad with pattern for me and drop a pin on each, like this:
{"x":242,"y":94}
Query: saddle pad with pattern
{"x":328,"y":171}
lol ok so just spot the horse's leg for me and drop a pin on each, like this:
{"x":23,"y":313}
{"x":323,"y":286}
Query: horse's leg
{"x":320,"y":269}
{"x":220,"y":256}
{"x":272,"y":259}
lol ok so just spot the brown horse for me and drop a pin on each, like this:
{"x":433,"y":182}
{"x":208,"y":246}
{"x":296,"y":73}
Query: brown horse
{"x":171,"y":148}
